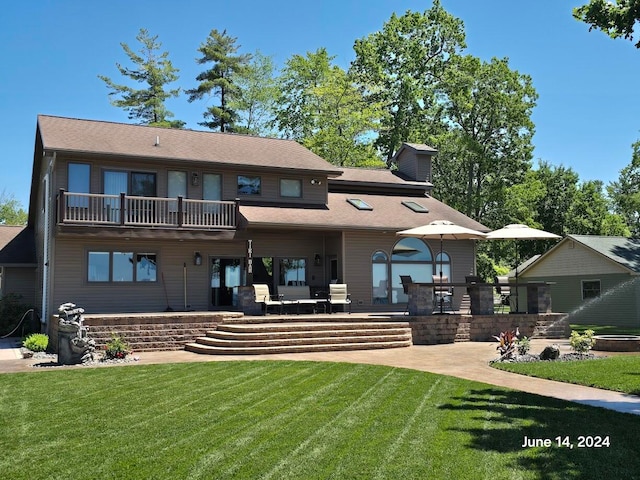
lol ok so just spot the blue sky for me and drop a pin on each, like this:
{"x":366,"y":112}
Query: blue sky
{"x":52,"y":51}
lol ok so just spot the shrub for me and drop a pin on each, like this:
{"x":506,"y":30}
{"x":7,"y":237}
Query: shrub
{"x":508,"y":340}
{"x":12,"y":308}
{"x":116,"y":348}
{"x":36,"y":342}
{"x":523,"y":344}
{"x":582,"y":343}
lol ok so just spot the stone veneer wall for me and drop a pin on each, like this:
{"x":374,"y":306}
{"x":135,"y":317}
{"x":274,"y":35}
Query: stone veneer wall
{"x":147,"y":331}
{"x":435,"y":329}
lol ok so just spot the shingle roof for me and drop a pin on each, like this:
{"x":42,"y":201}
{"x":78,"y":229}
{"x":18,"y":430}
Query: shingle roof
{"x":17,"y":246}
{"x":376,"y":175}
{"x":90,"y":136}
{"x":388,"y":213}
{"x":622,"y":250}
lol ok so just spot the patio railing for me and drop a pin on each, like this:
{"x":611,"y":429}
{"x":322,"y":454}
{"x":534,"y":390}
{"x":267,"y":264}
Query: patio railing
{"x":127,"y":210}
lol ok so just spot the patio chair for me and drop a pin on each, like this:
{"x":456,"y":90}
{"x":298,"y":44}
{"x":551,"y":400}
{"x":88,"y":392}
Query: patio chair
{"x":406,"y":280}
{"x":338,"y":296}
{"x":442,"y":293}
{"x":504,"y":290}
{"x":266,"y":299}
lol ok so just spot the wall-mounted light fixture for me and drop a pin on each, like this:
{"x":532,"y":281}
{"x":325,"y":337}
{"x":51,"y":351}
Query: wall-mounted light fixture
{"x":317,"y":260}
{"x":315,"y":181}
{"x":195,"y":179}
{"x":197,"y":258}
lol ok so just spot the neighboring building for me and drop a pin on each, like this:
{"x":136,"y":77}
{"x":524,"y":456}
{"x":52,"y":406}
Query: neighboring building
{"x":593,"y":278}
{"x":132,"y":218}
{"x":17,"y":263}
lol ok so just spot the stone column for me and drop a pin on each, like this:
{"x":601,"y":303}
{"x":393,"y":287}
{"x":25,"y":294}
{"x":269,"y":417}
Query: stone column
{"x":481,"y":296}
{"x":247,"y":301}
{"x":538,"y":298}
{"x":420,"y":299}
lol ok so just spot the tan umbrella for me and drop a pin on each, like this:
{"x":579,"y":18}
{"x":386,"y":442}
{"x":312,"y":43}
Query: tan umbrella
{"x":518,"y":231}
{"x":442,"y":229}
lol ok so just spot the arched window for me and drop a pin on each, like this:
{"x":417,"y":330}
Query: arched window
{"x":445,"y":260}
{"x":410,"y":256}
{"x":380,"y":277}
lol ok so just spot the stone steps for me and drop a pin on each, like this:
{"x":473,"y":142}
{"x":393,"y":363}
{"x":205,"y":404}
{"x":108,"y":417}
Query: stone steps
{"x":463,"y":332}
{"x":260,"y":338}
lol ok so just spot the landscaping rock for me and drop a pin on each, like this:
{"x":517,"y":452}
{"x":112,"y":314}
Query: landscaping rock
{"x":550,"y":352}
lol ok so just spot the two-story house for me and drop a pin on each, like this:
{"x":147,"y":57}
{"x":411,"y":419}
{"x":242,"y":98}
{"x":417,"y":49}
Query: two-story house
{"x":131,"y":218}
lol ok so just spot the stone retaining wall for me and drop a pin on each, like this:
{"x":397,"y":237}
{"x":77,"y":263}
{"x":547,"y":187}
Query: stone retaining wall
{"x":435,"y":329}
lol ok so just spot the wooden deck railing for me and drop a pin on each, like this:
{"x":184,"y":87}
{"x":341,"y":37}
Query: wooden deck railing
{"x":126,"y":210}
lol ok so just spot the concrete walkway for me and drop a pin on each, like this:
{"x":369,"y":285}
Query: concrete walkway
{"x":463,"y":360}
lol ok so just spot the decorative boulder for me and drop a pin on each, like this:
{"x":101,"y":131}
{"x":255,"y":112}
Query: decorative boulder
{"x":550,"y":352}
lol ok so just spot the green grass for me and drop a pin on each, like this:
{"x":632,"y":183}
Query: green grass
{"x":606,"y":329}
{"x":295,"y":420}
{"x":621,"y":373}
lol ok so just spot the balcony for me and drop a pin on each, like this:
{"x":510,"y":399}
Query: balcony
{"x":147,"y":212}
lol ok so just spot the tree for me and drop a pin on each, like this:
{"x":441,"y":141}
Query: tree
{"x":220,"y":50}
{"x":487,"y":148}
{"x":322,"y":108}
{"x":155,"y":70}
{"x":256,"y":103}
{"x":399,"y":67}
{"x":11,"y":212}
{"x":615,"y":19}
{"x":589,"y":213}
{"x":625,"y":192}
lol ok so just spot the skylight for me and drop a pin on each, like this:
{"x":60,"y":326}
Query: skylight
{"x":359,"y":204}
{"x":416,"y":207}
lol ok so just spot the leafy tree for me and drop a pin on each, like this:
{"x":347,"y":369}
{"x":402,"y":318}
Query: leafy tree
{"x":625,"y":192}
{"x":560,"y":189}
{"x":589,"y":213}
{"x":399,"y":67}
{"x":488,"y":146}
{"x":256,"y":103}
{"x":297,"y":102}
{"x":11,"y":212}
{"x":220,"y":50}
{"x":615,"y":19}
{"x":155,"y":70}
{"x":321,"y":107}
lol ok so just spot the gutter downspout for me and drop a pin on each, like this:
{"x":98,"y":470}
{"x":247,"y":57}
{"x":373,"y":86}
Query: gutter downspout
{"x":46,"y":237}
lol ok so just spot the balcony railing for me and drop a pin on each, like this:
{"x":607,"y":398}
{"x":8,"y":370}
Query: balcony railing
{"x":126,"y":210}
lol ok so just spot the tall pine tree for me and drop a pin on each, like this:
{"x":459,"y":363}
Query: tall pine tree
{"x":155,"y":70}
{"x":220,"y":49}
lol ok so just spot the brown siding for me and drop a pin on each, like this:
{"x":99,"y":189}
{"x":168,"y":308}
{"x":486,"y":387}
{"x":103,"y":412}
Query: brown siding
{"x":70,"y":281}
{"x":311,"y":194}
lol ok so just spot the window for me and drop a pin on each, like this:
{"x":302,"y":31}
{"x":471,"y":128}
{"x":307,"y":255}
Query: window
{"x":211,"y":186}
{"x":177,"y":187}
{"x":443,"y":261}
{"x":290,"y":187}
{"x":143,"y":184}
{"x":249,"y":185}
{"x":78,"y":182}
{"x":293,"y":271}
{"x":410,"y":256}
{"x":416,"y":207}
{"x":590,"y":289}
{"x":359,"y":204}
{"x":380,"y":277}
{"x":121,"y":267}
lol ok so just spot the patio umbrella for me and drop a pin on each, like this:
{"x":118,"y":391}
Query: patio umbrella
{"x":516,"y":232}
{"x":442,"y":229}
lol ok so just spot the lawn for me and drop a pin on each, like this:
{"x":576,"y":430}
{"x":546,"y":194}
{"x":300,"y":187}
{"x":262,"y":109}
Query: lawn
{"x":296,"y":420}
{"x":606,"y":329}
{"x":618,"y":373}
